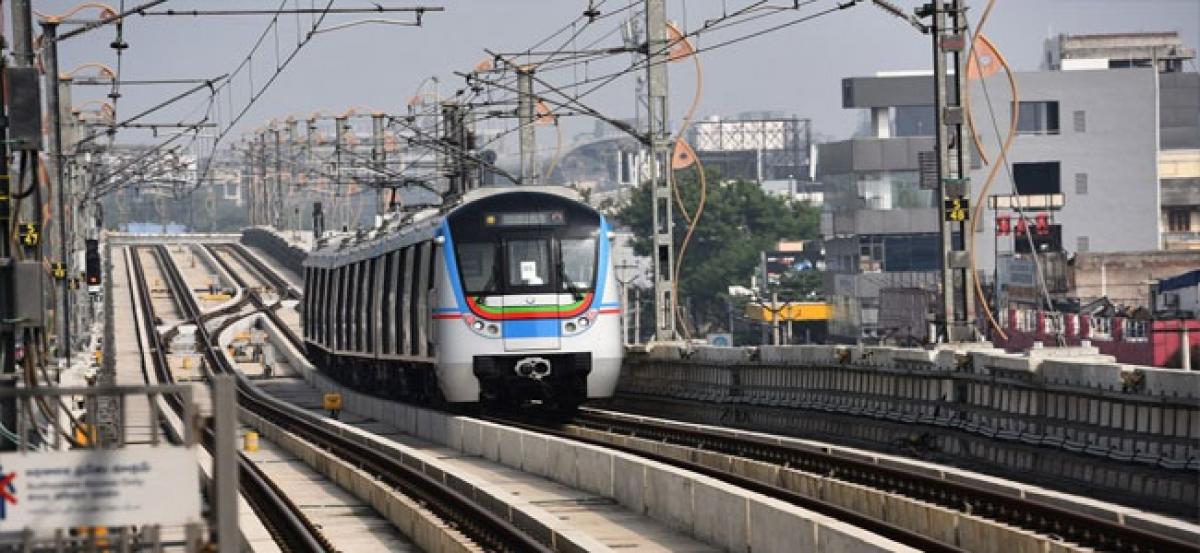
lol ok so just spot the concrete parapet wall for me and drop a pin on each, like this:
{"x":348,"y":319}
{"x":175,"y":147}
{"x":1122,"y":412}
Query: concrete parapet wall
{"x":279,"y":248}
{"x":130,"y":238}
{"x":1079,"y":401}
{"x":417,"y":523}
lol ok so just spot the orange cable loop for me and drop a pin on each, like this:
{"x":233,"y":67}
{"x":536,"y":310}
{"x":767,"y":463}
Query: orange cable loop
{"x":1001,"y":160}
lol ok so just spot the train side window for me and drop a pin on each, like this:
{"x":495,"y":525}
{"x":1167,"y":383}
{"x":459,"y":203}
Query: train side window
{"x":330,"y":304}
{"x":578,"y":263}
{"x":360,"y":315}
{"x":372,"y":305}
{"x":356,"y":336}
{"x":355,"y":308}
{"x":339,"y":312}
{"x":348,"y":275}
{"x":426,"y":310}
{"x":351,"y":272}
{"x":404,"y":297}
{"x":305,"y":323}
{"x":417,"y":329}
{"x":385,"y":307}
{"x":327,"y":310}
{"x":477,"y":266}
{"x":319,"y":306}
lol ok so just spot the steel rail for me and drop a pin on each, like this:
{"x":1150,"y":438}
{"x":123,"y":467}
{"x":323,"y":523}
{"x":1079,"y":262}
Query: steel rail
{"x":278,"y":283}
{"x":1029,"y":514}
{"x":290,"y":528}
{"x":464,"y":513}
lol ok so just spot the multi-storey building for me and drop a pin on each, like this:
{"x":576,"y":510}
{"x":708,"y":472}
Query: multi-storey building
{"x":1091,"y":146}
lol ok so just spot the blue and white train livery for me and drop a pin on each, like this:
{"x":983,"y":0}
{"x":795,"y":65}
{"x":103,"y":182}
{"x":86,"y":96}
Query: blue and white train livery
{"x":506,"y":297}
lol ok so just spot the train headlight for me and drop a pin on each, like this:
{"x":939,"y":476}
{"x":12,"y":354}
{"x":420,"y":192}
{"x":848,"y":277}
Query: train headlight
{"x":478,"y":326}
{"x":584,"y":322}
{"x":493,"y":329}
{"x":569,"y":326}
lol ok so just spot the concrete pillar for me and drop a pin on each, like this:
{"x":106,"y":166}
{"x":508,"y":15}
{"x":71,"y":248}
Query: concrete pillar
{"x":881,"y":123}
{"x":1185,"y":345}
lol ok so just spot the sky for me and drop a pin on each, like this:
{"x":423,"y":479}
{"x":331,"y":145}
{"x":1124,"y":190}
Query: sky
{"x":796,"y":70}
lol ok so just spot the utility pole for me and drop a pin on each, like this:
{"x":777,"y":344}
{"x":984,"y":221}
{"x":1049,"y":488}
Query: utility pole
{"x":657,"y":135}
{"x":378,"y":162}
{"x":949,"y":41}
{"x":339,"y":143}
{"x":50,"y":61}
{"x":263,"y":196}
{"x":248,"y":182}
{"x":292,"y":135}
{"x":277,"y":205}
{"x":457,"y":133}
{"x":525,"y":117}
{"x":23,"y":57}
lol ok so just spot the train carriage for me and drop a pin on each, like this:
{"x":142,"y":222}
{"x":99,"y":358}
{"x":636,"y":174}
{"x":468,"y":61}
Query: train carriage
{"x":506,"y":297}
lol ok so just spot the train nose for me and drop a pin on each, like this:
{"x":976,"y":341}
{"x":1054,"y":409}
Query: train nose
{"x":536,"y":368}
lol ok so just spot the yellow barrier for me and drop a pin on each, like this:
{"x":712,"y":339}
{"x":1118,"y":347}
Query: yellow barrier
{"x":250,"y":441}
{"x":800,"y":311}
{"x":333,"y":402}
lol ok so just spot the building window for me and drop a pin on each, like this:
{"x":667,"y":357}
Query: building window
{"x":1037,"y":118}
{"x":1081,"y":244}
{"x":1179,"y":220}
{"x":1081,"y":181}
{"x":1080,"y":121}
{"x":914,"y":121}
{"x":1042,"y":177}
{"x":911,"y":252}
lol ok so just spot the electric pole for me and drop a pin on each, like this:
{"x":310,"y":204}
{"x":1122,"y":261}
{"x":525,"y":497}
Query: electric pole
{"x":50,"y":60}
{"x":340,"y":127}
{"x":658,"y":134}
{"x":378,"y":161}
{"x":248,"y":182}
{"x":22,"y":46}
{"x":277,"y":204}
{"x":292,"y":134}
{"x":525,"y":117}
{"x":949,"y":41}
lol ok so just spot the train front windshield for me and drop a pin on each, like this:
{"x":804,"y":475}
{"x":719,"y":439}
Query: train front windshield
{"x":542,"y":245}
{"x":528,"y":265}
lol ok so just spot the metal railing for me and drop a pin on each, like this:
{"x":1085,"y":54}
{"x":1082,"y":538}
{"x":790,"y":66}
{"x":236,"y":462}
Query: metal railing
{"x":58,"y":430}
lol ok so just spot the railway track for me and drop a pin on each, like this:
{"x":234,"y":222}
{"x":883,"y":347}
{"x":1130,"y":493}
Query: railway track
{"x":608,"y":429}
{"x":1024,"y":513}
{"x":472,"y":519}
{"x":282,"y":518}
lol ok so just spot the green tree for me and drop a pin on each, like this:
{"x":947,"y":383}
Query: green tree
{"x":738,"y":222}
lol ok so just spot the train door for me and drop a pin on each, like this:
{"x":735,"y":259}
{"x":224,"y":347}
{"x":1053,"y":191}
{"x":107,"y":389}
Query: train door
{"x":530,"y":301}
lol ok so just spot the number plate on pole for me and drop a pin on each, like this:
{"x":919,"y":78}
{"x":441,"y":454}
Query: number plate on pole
{"x":956,"y":210}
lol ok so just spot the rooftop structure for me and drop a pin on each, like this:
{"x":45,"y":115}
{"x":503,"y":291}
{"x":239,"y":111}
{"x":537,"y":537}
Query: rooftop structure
{"x":1117,"y":50}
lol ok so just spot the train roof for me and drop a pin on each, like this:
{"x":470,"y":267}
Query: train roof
{"x":398,"y":232}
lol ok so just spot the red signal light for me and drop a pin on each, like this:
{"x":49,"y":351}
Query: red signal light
{"x":1003,"y":225}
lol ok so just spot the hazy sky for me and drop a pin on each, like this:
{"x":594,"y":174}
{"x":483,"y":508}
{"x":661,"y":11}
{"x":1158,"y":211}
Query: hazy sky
{"x":796,"y":70}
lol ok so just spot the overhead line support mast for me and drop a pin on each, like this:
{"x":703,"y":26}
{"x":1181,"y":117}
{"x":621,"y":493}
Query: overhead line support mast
{"x":949,"y":32}
{"x":658,"y":135}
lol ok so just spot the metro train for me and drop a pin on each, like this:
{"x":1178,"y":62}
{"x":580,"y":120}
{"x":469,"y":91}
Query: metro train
{"x":506,"y":297}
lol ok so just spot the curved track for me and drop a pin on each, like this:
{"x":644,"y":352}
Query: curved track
{"x":476,"y":521}
{"x":286,"y":523}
